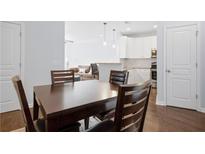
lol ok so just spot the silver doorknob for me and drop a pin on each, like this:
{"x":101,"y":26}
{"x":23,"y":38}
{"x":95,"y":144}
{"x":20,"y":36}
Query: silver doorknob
{"x":168,"y":71}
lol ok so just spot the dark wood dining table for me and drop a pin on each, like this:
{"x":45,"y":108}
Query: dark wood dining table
{"x":66,"y":103}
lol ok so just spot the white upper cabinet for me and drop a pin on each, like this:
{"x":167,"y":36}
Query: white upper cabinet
{"x":149,"y":43}
{"x":123,"y":47}
{"x":139,"y":47}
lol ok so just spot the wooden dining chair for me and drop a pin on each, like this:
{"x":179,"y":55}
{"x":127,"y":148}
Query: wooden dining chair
{"x":62,"y":76}
{"x":65,"y":76}
{"x":117,"y":78}
{"x":94,"y":70}
{"x":132,"y":103}
{"x":37,"y":125}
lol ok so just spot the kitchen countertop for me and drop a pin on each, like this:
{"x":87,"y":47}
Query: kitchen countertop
{"x":133,"y":68}
{"x":110,"y":63}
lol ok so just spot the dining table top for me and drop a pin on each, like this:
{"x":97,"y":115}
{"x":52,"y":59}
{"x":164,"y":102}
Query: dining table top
{"x":73,"y":96}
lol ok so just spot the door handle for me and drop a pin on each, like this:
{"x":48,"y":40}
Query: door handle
{"x":168,"y":71}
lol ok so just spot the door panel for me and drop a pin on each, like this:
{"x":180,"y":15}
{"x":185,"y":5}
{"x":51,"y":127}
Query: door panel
{"x":9,"y":64}
{"x":181,"y":67}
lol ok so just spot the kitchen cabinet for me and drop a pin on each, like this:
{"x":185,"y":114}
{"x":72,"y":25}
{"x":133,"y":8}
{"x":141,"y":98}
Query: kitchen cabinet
{"x":139,"y":47}
{"x":123,"y":47}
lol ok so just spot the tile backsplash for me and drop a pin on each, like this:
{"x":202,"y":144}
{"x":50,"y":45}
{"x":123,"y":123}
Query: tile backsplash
{"x":135,"y":63}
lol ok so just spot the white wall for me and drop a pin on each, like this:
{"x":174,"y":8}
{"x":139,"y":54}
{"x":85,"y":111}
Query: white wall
{"x":88,"y":43}
{"x":161,"y":64}
{"x":44,"y":51}
{"x":84,"y":53}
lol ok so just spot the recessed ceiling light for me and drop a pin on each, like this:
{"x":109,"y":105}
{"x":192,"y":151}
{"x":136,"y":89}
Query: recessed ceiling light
{"x":128,"y":29}
{"x":155,"y":26}
{"x":114,"y":46}
{"x":105,"y":43}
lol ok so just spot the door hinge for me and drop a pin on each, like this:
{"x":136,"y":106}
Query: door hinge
{"x":197,"y":32}
{"x":20,"y":34}
{"x":197,"y":96}
{"x":196,"y":65}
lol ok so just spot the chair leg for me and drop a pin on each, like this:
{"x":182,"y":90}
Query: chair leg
{"x":86,"y":121}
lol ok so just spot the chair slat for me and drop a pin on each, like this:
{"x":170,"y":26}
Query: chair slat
{"x":134,"y":96}
{"x":132,"y":128}
{"x":132,"y":108}
{"x":62,"y":76}
{"x":118,"y":74}
{"x":118,"y":77}
{"x":132,"y":118}
{"x":64,"y":79}
{"x":60,"y":71}
{"x":115,"y":78}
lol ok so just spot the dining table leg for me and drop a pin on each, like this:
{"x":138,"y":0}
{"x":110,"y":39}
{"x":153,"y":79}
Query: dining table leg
{"x":86,"y":120}
{"x":35,"y":108}
{"x":52,"y":125}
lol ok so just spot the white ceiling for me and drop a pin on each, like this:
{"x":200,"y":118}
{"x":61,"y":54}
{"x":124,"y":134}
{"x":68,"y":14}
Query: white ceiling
{"x":85,"y":30}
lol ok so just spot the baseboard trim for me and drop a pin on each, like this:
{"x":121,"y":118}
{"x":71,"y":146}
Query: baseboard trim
{"x":7,"y":107}
{"x":201,"y":109}
{"x":11,"y":107}
{"x":159,"y":102}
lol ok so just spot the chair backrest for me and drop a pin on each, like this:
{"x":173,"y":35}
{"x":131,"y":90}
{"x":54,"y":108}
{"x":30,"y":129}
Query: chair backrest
{"x":75,"y":69}
{"x":87,"y":70}
{"x":119,"y":77}
{"x":131,"y":107}
{"x":94,"y":68}
{"x":24,"y":104}
{"x":62,"y":76}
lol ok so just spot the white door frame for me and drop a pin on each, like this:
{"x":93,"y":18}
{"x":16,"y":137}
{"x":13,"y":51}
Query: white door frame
{"x":197,"y":24}
{"x":22,"y":47}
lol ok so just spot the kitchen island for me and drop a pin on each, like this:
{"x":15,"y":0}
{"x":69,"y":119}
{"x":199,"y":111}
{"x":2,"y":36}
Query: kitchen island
{"x":105,"y":68}
{"x":136,"y":74}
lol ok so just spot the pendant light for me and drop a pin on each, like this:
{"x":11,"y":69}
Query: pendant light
{"x":113,"y":38}
{"x":104,"y":35}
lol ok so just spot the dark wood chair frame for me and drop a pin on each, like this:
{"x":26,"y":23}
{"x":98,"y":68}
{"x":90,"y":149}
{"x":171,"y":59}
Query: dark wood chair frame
{"x":65,"y":76}
{"x":131,"y":108}
{"x":132,"y":103}
{"x":62,"y":76}
{"x":29,"y":123}
{"x":24,"y":104}
{"x":118,"y":77}
{"x":94,"y":70}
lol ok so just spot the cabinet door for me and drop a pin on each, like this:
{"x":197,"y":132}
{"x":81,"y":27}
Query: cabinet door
{"x":135,"y":48}
{"x":147,"y":48}
{"x":140,"y":47}
{"x":130,"y":47}
{"x":139,"y":43}
{"x":154,"y":42}
{"x":149,"y":43}
{"x":123,"y":47}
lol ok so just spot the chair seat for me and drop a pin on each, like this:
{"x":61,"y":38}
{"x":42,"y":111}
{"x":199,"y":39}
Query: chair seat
{"x":104,"y":126}
{"x":40,"y":126}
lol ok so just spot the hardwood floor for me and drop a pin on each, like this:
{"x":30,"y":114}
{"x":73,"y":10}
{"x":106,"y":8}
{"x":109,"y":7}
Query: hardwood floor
{"x":158,"y":118}
{"x":172,"y":119}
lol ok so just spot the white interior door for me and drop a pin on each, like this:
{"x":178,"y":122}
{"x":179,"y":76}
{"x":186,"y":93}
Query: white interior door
{"x":181,"y":66}
{"x":9,"y":64}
